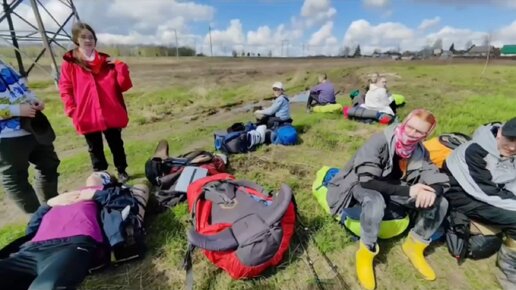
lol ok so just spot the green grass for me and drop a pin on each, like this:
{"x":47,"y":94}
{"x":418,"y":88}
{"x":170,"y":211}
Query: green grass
{"x":180,"y":110}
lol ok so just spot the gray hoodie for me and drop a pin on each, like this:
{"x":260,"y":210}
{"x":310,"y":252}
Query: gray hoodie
{"x":481,"y":171}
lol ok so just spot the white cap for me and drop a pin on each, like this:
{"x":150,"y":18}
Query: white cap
{"x":277,"y":85}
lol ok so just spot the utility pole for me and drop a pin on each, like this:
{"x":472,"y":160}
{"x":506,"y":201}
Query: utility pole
{"x":211,"y":46}
{"x":44,"y":38}
{"x":284,"y":41}
{"x":177,"y":45}
{"x":13,"y":38}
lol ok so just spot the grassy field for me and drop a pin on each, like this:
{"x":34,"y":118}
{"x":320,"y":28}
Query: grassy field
{"x":186,"y":101}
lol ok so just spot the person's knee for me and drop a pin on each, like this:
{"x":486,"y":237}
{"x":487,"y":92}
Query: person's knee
{"x":14,"y":180}
{"x":48,"y":170}
{"x":375,"y":206}
{"x":441,"y":205}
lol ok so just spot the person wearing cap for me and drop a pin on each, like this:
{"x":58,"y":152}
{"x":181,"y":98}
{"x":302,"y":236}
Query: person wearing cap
{"x":279,"y":112}
{"x":483,"y":184}
{"x":322,"y":94}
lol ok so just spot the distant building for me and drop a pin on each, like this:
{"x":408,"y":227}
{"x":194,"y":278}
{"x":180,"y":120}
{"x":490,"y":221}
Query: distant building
{"x":446,"y":54}
{"x":508,"y":51}
{"x":480,"y":51}
{"x":438,"y":51}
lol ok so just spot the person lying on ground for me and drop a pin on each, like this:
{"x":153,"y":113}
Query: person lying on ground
{"x":483,"y":185}
{"x":322,"y":94}
{"x":279,"y":112}
{"x":64,"y":239}
{"x":393,"y":167}
{"x":21,"y":145}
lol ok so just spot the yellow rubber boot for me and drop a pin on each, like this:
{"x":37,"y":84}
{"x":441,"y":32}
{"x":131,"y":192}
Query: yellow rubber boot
{"x":364,"y":265}
{"x":413,"y":249}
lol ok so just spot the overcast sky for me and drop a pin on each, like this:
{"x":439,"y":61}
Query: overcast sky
{"x":309,"y":26}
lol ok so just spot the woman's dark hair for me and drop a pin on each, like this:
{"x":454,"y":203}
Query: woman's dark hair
{"x":76,"y":31}
{"x":77,"y":28}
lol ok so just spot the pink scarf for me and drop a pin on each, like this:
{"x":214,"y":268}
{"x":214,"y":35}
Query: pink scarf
{"x":405,"y":145}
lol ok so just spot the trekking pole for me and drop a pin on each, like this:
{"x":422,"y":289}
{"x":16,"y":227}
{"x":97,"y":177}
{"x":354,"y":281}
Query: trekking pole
{"x":310,"y":263}
{"x":333,"y":267}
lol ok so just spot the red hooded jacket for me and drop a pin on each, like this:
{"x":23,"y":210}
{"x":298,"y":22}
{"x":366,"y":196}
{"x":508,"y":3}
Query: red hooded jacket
{"x":94,"y":101}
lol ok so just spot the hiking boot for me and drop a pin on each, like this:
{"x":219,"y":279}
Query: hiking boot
{"x":506,"y":261}
{"x":413,"y":247}
{"x":161,"y":150}
{"x":364,"y":266}
{"x":123,"y":177}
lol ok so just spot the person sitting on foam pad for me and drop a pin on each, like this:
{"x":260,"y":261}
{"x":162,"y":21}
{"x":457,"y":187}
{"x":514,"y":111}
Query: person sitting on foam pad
{"x":279,"y":112}
{"x":322,"y":94}
{"x":393,"y":167}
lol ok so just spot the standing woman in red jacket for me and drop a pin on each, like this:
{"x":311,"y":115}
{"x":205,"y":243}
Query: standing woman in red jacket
{"x":91,"y":87}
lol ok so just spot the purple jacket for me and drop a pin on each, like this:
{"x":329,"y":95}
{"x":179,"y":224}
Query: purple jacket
{"x":326,"y":92}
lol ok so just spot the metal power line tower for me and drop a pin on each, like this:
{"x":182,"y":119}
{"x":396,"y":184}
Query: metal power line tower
{"x":26,"y":30}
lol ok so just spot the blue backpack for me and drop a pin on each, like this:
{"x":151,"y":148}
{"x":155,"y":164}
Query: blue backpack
{"x":285,"y":135}
{"x":235,"y":139}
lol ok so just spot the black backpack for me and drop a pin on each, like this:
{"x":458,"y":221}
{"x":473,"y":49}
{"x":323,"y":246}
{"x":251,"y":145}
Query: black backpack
{"x":462,"y":244}
{"x":164,"y":171}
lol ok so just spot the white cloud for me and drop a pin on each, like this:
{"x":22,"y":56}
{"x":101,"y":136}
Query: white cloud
{"x":391,"y":35}
{"x":224,"y":41}
{"x":505,"y":35}
{"x":376,"y":3}
{"x":386,"y":35}
{"x":457,"y":36}
{"x":463,"y":3}
{"x":429,"y":23}
{"x":317,"y":11}
{"x":322,"y":35}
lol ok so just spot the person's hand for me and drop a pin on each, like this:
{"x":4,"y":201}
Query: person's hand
{"x":27,"y":110}
{"x":64,"y":199}
{"x":419,"y":187}
{"x":112,"y":60}
{"x":38,"y":105}
{"x":423,"y":194}
{"x":87,"y":194}
{"x":258,"y":114}
{"x":425,"y":199}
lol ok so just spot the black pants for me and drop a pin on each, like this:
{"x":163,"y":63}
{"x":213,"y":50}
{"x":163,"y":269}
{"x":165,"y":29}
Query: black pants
{"x":57,"y":264}
{"x":16,"y":154}
{"x":313,"y":100}
{"x":272,"y":122}
{"x":96,"y":149}
{"x":393,"y":106}
{"x":482,"y":212}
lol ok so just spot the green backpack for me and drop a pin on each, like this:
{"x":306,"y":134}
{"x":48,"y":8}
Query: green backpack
{"x":395,"y":220}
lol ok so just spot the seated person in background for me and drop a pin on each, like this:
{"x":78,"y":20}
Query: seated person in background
{"x":377,"y":97}
{"x":393,"y":167}
{"x":483,"y":185}
{"x":63,"y":240}
{"x":279,"y":112}
{"x":322,"y":94}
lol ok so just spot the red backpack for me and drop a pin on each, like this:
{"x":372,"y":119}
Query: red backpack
{"x":238,"y":225}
